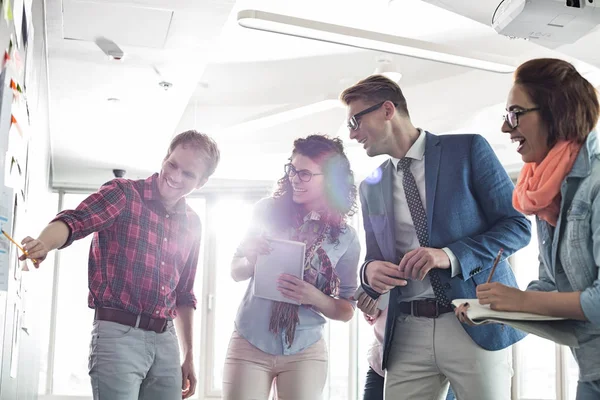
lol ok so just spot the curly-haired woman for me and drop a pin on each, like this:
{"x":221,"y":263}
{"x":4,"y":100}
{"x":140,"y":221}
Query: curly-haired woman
{"x":282,"y":340}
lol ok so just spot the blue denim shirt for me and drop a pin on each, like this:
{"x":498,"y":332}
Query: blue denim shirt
{"x":570,"y":253}
{"x":254,"y":313}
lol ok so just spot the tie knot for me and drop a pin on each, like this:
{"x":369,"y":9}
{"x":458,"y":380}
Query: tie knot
{"x":404,"y":164}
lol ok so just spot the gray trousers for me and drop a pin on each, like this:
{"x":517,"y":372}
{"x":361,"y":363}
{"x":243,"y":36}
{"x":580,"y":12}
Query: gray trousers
{"x":133,"y":364}
{"x":428,"y":353}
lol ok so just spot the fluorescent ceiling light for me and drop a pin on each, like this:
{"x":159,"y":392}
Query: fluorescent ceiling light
{"x":370,"y":40}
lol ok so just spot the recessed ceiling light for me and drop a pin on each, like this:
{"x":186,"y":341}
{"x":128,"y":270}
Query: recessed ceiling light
{"x":113,"y":100}
{"x":165,"y":85}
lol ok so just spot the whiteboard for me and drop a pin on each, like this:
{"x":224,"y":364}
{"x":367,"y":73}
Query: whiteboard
{"x":286,"y":257}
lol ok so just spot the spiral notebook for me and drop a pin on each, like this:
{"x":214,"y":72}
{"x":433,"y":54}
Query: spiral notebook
{"x":558,"y":330}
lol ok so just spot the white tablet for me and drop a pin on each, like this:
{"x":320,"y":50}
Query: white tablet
{"x":287,"y":257}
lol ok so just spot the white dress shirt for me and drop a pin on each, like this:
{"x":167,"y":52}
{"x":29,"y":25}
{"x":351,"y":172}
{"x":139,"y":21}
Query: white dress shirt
{"x":406,"y":235}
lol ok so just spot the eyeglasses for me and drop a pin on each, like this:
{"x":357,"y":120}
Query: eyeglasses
{"x":512,"y":117}
{"x":304,"y":174}
{"x":354,"y":121}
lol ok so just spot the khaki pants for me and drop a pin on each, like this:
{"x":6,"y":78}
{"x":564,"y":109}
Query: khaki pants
{"x":426,"y":353}
{"x":129,"y":363}
{"x":249,"y":372}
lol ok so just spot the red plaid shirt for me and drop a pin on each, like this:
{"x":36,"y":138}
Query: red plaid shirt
{"x":142,"y":258}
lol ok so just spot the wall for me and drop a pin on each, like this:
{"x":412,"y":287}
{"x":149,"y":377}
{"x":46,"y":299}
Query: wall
{"x":31,"y":292}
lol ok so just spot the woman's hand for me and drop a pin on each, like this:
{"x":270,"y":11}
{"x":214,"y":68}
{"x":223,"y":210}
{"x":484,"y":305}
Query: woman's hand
{"x":252,"y":247}
{"x":296,"y":289}
{"x":461,"y":314}
{"x":370,"y":320}
{"x":501,"y":297}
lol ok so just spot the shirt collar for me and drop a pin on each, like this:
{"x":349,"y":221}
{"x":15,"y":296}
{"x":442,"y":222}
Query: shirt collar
{"x":151,"y":193}
{"x":416,"y":151}
{"x":583,"y":163}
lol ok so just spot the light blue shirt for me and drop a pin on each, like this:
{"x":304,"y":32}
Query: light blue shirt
{"x":570,"y":253}
{"x":254,"y":313}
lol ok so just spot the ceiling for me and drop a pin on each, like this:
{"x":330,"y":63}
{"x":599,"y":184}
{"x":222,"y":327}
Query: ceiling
{"x":254,"y":91}
{"x":168,"y":41}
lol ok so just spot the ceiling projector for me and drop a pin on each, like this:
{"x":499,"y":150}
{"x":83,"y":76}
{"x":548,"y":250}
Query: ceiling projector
{"x":549,"y":22}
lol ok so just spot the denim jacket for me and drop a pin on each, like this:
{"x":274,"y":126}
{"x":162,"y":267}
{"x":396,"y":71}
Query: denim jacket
{"x":570,"y":253}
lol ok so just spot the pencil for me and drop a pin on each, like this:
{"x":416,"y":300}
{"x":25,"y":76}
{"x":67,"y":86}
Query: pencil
{"x":489,"y":279}
{"x":18,"y":245}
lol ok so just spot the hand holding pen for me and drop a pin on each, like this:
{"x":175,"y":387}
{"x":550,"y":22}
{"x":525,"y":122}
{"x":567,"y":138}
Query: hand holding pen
{"x":25,"y":253}
{"x":498,"y":296}
{"x":461,"y":310}
{"x":489,"y":279}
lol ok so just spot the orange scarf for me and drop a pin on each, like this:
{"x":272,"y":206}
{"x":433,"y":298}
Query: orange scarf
{"x":538,"y":187}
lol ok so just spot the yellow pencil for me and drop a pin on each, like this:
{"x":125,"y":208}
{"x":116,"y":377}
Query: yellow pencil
{"x":18,"y":245}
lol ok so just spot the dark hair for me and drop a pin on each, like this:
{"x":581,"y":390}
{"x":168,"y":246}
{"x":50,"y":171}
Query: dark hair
{"x":201,"y":142}
{"x":568,"y":102}
{"x":375,"y":89}
{"x":339,"y":179}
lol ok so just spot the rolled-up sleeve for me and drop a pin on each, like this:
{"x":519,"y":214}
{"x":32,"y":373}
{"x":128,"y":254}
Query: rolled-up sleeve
{"x":590,"y":303}
{"x":185,"y":287}
{"x":97,"y":212}
{"x":590,"y":297}
{"x":347,"y":269}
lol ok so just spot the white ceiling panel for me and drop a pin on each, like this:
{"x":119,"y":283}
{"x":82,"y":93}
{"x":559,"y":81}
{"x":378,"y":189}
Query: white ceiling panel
{"x":124,"y":24}
{"x":163,"y":40}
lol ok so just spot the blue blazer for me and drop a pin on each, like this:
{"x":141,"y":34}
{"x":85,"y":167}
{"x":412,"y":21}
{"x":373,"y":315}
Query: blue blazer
{"x":469,"y":210}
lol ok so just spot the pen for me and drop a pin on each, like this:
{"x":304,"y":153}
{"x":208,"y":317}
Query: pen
{"x":489,"y":279}
{"x":17,"y":244}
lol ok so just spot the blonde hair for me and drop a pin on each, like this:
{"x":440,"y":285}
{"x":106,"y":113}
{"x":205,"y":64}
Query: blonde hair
{"x":201,"y":142}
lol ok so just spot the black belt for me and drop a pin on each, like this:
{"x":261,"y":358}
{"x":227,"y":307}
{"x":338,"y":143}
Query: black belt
{"x":424,"y":308}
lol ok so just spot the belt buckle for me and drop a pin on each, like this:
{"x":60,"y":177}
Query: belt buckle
{"x":164,"y":326}
{"x":437,"y":308}
{"x":414,"y":310}
{"x":159,"y":328}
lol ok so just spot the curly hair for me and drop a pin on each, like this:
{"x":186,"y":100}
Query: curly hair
{"x":339,"y":180}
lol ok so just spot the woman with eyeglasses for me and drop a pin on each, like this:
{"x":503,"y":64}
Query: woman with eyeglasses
{"x":282,"y":341}
{"x":552,"y":112}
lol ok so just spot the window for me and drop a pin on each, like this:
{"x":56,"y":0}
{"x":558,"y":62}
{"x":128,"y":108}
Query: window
{"x":228,"y":221}
{"x":73,"y":317}
{"x":338,"y":343}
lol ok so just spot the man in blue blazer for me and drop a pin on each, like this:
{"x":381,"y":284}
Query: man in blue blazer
{"x":435,"y":216}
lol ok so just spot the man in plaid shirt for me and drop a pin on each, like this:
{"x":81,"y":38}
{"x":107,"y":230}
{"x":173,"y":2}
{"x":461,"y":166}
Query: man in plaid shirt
{"x":142,"y":266}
